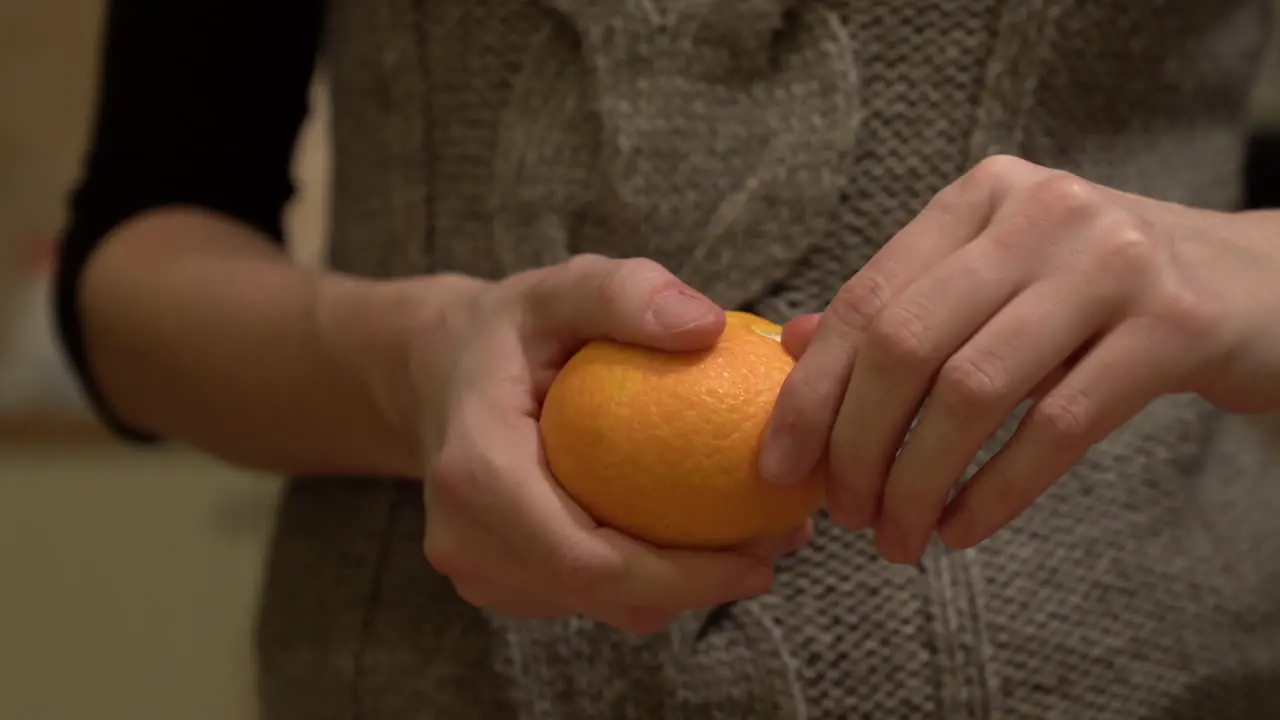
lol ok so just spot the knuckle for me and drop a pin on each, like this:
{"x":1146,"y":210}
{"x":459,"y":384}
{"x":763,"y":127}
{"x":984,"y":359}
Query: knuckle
{"x":596,"y":272}
{"x":534,"y":288}
{"x":972,"y":380}
{"x":901,"y":336}
{"x":1127,"y":249}
{"x":1066,"y":416}
{"x":1188,"y":316}
{"x":1063,"y":195}
{"x":995,"y":170}
{"x":584,"y":264}
{"x":952,"y":200}
{"x":860,"y":301}
{"x":620,"y":280}
{"x":582,"y":270}
{"x":640,"y":267}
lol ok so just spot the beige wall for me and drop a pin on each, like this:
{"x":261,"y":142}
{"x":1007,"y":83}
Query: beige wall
{"x":129,"y":584}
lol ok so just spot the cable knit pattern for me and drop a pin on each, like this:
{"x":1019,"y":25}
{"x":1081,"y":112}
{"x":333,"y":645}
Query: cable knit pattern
{"x":764,"y":150}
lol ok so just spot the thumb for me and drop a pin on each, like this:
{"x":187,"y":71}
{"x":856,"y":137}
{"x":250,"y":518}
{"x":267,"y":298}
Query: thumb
{"x":633,"y":301}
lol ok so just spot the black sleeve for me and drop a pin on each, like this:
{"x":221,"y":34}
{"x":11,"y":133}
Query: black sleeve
{"x":199,"y":103}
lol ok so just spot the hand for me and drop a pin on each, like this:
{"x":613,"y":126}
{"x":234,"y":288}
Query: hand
{"x":498,"y":525}
{"x":1017,"y":282}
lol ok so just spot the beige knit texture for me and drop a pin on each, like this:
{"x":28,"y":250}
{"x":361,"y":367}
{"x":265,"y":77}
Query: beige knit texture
{"x":763,"y":150}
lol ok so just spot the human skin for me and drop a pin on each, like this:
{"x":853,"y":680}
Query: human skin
{"x":200,"y":331}
{"x":1019,"y":282}
{"x":1015,"y":281}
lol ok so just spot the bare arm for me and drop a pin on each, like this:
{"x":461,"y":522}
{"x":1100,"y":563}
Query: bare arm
{"x":176,"y":303}
{"x":199,"y":329}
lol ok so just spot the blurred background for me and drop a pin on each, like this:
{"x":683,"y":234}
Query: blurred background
{"x":128,"y":578}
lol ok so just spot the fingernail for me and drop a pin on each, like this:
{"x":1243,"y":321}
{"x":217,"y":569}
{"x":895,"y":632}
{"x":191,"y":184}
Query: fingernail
{"x":679,"y":309}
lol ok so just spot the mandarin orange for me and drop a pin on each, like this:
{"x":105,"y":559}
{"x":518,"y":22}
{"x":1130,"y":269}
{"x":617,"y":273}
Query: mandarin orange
{"x":662,"y":446}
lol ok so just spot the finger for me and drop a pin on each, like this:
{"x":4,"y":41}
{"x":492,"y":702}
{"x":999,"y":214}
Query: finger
{"x":795,"y":437}
{"x":1111,"y":384}
{"x":798,"y":333}
{"x":772,"y":548}
{"x":907,"y":344}
{"x":633,"y":301}
{"x":518,"y":500}
{"x":640,"y":575}
{"x":500,"y":513}
{"x":484,"y":570}
{"x":976,"y":389}
{"x":456,"y":546}
{"x":900,"y":354}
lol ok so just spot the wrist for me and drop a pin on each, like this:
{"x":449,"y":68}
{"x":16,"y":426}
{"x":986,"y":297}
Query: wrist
{"x":375,"y":329}
{"x":1245,"y":377}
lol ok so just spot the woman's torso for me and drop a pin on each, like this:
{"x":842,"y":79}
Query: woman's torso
{"x":764,"y":149}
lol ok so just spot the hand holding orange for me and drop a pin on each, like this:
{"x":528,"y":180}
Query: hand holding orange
{"x":662,"y":446}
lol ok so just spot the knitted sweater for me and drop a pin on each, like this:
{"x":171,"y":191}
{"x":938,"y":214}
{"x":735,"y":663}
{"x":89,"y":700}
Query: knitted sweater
{"x":763,"y":150}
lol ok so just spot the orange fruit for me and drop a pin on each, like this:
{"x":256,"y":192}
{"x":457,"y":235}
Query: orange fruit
{"x":662,"y":446}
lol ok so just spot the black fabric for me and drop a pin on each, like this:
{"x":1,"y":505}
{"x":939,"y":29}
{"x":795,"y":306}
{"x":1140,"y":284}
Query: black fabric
{"x":200,"y":103}
{"x":1262,"y":171}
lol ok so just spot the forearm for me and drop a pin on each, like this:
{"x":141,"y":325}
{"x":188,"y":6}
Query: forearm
{"x":199,"y":330}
